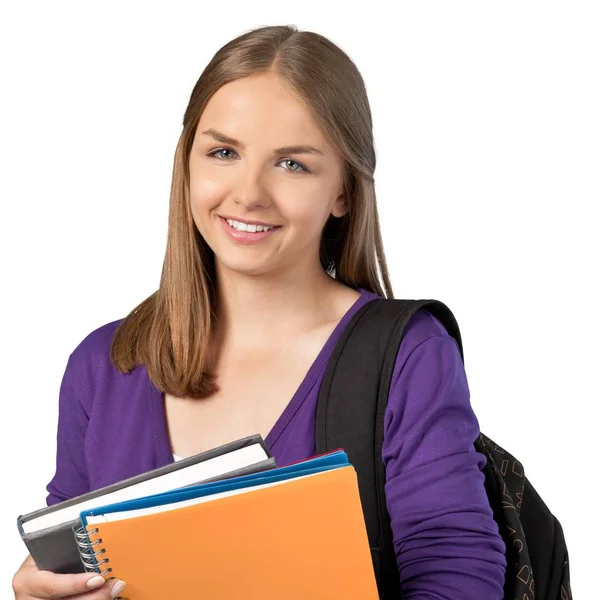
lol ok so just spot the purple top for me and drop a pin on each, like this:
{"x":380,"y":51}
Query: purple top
{"x":112,"y":426}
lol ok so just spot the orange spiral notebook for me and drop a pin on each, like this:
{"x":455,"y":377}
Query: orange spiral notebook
{"x":294,"y":532}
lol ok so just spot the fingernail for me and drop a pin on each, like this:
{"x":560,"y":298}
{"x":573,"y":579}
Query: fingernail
{"x":117,"y":589}
{"x":95,"y":581}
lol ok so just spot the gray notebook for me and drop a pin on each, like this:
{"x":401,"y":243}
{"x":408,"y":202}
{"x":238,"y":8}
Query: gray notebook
{"x":49,"y":532}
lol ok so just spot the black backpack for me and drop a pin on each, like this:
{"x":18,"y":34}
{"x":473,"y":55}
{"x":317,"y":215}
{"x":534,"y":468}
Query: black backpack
{"x":350,"y":415}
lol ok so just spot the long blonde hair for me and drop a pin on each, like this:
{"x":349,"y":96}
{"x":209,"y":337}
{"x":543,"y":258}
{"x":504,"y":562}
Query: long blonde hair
{"x":169,"y":331}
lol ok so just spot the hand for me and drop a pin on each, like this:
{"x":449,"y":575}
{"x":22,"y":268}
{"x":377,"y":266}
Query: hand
{"x":30,"y":583}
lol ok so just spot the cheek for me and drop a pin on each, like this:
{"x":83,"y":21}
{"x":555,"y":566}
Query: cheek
{"x":307,"y":210}
{"x":205,"y":195}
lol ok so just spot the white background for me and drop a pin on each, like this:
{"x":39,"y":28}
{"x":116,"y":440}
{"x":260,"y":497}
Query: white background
{"x":481,"y":120}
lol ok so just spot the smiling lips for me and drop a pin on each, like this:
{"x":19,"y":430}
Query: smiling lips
{"x":247,"y":233}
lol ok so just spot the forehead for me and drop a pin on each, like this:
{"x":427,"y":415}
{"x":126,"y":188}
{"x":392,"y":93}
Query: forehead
{"x":261,"y":105}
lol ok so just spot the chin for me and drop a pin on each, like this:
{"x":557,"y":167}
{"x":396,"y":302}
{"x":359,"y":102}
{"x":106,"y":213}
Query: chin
{"x":244,"y":267}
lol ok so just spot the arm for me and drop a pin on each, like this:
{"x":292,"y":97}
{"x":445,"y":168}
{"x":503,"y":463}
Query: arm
{"x":71,"y":477}
{"x":447,"y":544}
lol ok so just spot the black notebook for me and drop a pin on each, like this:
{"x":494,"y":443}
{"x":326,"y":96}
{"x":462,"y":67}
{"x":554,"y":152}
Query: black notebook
{"x":48,"y":532}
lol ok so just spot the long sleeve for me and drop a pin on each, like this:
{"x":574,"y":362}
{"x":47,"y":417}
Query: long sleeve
{"x":71,"y":476}
{"x":447,"y":544}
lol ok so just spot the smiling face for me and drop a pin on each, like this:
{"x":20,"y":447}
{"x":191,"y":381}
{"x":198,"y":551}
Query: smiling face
{"x":263,"y":178}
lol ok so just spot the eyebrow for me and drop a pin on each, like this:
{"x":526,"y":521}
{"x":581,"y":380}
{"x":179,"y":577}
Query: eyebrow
{"x":224,"y":139}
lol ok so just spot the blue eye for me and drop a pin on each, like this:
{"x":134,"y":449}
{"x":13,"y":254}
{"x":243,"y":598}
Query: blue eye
{"x":218,"y":151}
{"x":301,"y":168}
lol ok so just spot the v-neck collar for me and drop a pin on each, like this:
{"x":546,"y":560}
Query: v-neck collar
{"x":163,"y":448}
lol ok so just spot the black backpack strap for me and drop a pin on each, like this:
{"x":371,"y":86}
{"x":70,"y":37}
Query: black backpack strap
{"x":351,"y":411}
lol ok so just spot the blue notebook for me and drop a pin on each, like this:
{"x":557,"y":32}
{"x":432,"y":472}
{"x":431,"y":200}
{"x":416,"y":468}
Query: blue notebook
{"x":314,"y":465}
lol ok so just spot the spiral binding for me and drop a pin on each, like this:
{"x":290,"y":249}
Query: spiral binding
{"x":89,"y":556}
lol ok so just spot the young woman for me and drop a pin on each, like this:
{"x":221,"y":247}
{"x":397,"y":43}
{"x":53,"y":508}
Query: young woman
{"x":273,"y":245}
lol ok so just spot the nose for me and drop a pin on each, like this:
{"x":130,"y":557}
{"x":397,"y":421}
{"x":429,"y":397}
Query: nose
{"x":249,"y":190}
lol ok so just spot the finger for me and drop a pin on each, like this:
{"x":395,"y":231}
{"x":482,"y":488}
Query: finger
{"x":105,"y":592}
{"x":46,"y":584}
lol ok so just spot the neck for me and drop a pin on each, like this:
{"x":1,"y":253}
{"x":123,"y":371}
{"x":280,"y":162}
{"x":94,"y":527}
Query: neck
{"x":262,"y":311}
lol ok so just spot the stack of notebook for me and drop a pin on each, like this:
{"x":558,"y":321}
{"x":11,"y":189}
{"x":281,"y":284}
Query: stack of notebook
{"x":268,"y":533}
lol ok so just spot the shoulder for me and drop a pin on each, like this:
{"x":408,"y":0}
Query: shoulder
{"x":421,"y":327}
{"x":89,"y":365}
{"x":96,"y":344}
{"x":426,"y":348}
{"x":433,"y":349}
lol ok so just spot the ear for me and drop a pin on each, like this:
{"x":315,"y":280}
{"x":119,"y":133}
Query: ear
{"x":341,"y":205}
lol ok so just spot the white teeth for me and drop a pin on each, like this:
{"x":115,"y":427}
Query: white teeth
{"x":244,"y":227}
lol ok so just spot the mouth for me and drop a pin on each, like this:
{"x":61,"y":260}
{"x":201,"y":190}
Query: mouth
{"x":249,"y":226}
{"x":247,"y":233}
